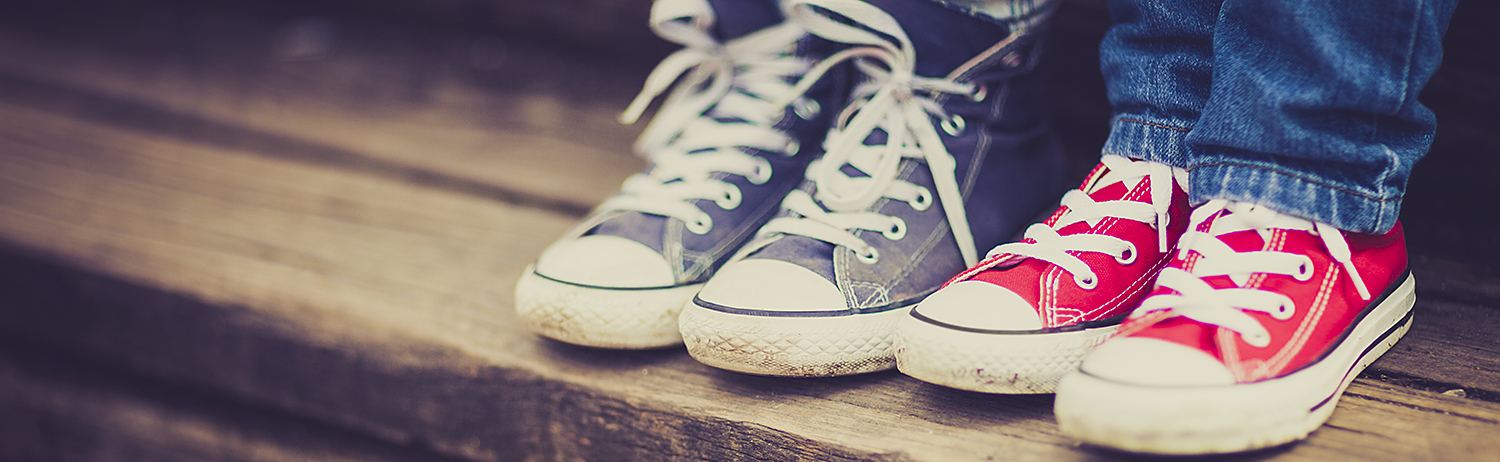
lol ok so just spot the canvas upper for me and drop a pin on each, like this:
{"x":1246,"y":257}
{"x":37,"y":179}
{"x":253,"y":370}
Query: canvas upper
{"x":1252,"y":295}
{"x":1087,"y":265}
{"x":723,"y":149}
{"x":942,"y":153}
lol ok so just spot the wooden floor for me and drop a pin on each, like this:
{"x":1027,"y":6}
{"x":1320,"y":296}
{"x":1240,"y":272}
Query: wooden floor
{"x":296,"y":238}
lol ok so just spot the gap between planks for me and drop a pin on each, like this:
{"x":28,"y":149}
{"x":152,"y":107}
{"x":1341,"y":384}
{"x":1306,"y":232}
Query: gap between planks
{"x":396,"y":268}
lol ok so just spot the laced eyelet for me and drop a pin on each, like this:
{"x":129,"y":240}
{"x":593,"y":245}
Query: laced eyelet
{"x":953,"y":125}
{"x":807,"y":109}
{"x":869,"y":256}
{"x":897,"y":231}
{"x":700,"y":224}
{"x":762,"y":173}
{"x":1087,"y":283}
{"x":980,"y":93}
{"x":1304,"y":270}
{"x":793,"y":147}
{"x":923,"y":201}
{"x":1126,"y":257}
{"x":730,"y":200}
{"x":1284,"y":310}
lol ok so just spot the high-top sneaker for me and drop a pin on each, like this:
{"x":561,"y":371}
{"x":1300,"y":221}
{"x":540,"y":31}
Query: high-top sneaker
{"x":1032,"y":309}
{"x":1249,"y":339}
{"x":943,"y":151}
{"x":724,"y":150}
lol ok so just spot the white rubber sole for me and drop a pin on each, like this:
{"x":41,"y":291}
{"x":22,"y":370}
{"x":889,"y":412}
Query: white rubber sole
{"x":791,"y":346}
{"x":988,"y":362}
{"x":1232,"y":418}
{"x":601,"y":317}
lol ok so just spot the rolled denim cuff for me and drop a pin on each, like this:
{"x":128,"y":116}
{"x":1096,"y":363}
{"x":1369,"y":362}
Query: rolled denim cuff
{"x":1152,"y":139}
{"x":1290,"y":192}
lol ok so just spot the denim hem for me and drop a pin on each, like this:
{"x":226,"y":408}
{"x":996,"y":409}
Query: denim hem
{"x":1295,"y":194}
{"x":1149,"y":139}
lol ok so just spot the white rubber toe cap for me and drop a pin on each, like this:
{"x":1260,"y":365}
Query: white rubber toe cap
{"x":771,"y":285}
{"x":1153,"y":362}
{"x":980,"y":305}
{"x":605,"y":261}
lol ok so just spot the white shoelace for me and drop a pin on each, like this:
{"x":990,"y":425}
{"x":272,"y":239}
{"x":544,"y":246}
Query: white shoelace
{"x":722,"y":107}
{"x":893,"y":99}
{"x":1049,"y":246}
{"x":1227,"y":307}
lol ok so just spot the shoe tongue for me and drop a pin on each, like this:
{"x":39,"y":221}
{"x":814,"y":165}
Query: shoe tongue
{"x":944,"y":38}
{"x":1111,"y":185}
{"x":736,"y":18}
{"x":1102,"y":185}
{"x":1241,"y":237}
{"x":1238,"y":239}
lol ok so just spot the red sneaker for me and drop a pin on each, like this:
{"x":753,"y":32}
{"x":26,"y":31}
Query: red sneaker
{"x":1027,"y":314}
{"x":1249,"y":339}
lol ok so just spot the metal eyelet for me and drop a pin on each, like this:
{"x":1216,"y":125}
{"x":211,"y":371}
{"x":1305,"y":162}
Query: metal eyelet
{"x":762,"y":173}
{"x":980,"y":93}
{"x":923,"y":201}
{"x":869,"y":256}
{"x":1088,"y":283}
{"x":807,"y":109}
{"x":700,"y":225}
{"x":897,"y":231}
{"x":1127,"y":257}
{"x":731,"y":198}
{"x":953,"y":125}
{"x":1304,"y":270}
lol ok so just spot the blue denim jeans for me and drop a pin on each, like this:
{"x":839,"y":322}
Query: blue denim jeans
{"x":1307,"y":107}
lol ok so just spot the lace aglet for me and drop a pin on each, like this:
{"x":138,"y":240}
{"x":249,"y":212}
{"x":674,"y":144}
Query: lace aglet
{"x":633,"y":112}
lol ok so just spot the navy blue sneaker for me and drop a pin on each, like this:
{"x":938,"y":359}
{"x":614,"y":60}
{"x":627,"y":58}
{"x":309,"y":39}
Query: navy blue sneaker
{"x":942,"y":152}
{"x":725,"y":148}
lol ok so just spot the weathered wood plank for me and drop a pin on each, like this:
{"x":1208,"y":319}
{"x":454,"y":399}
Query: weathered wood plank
{"x":1453,"y":347}
{"x":282,"y":227}
{"x":383,"y":307}
{"x":281,"y":111}
{"x":475,"y":109}
{"x":469,"y":113}
{"x":56,"y":409}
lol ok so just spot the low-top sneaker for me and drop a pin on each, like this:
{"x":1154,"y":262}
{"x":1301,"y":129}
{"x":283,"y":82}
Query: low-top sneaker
{"x":724,"y":150}
{"x":1027,"y":314}
{"x":1252,"y":334}
{"x":943,"y":152}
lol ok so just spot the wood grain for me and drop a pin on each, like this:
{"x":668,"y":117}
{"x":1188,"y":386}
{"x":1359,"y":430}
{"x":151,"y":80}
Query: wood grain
{"x":473,"y":115}
{"x":383,"y":307}
{"x":330,"y":236}
{"x":59,"y":409}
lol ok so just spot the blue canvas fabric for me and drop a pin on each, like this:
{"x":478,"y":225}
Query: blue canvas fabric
{"x":693,"y":256}
{"x":1009,"y":167}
